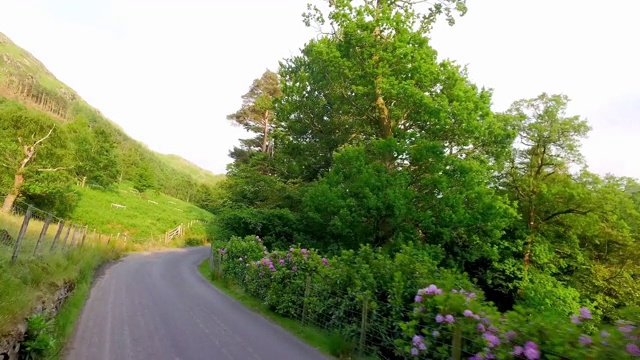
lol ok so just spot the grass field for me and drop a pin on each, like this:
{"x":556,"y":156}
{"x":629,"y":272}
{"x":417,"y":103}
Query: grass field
{"x":146,"y":215}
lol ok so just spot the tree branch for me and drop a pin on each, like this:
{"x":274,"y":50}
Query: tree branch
{"x":54,"y":169}
{"x":568,"y":211}
{"x":44,"y":138}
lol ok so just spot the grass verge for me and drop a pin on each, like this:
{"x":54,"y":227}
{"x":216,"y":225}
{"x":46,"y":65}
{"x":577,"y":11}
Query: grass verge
{"x":69,"y":313}
{"x":330,"y":343}
{"x":30,"y":281}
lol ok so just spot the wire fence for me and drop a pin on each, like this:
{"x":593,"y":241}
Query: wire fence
{"x":367,"y":324}
{"x":28,"y":232}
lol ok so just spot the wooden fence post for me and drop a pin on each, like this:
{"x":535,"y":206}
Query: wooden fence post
{"x":307,"y":292}
{"x":43,"y":233}
{"x":363,"y":325}
{"x":23,"y":231}
{"x":66,"y":237}
{"x":456,"y":343}
{"x":211,"y":258}
{"x":84,"y":235}
{"x":55,"y":238}
{"x":73,"y":236}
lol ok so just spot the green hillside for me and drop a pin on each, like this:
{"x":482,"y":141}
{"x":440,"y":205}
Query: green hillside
{"x":83,"y":147}
{"x":194,"y":170}
{"x":146,"y":215}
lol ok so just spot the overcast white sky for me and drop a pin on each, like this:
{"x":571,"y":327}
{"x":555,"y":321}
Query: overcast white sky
{"x":169,"y":71}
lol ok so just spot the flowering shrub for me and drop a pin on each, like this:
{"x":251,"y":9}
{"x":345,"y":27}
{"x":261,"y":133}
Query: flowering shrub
{"x":439,"y":316}
{"x":446,"y":314}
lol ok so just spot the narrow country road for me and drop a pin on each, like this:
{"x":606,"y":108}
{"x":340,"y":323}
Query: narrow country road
{"x":158,"y":306}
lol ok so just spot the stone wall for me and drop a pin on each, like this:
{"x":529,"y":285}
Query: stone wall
{"x":10,"y":343}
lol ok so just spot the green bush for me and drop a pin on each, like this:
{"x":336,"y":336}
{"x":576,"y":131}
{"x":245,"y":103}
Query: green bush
{"x":38,"y":339}
{"x":194,"y":241}
{"x":332,"y":293}
{"x":276,"y":227}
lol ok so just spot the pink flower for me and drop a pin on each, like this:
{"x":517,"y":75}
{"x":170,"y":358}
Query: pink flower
{"x":291,"y":249}
{"x":468,"y":313}
{"x":418,"y":298}
{"x":491,"y":339}
{"x":281,"y":262}
{"x":417,"y":340}
{"x":449,"y":319}
{"x":304,"y":251}
{"x":531,"y":351}
{"x":585,"y":313}
{"x":439,"y":319}
{"x":575,"y":319}
{"x":585,"y":340}
{"x":633,"y":349}
{"x":414,"y":352}
{"x":517,"y":351}
{"x":295,"y":268}
{"x":325,"y":261}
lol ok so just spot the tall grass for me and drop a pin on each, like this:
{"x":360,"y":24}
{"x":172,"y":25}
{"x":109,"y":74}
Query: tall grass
{"x":32,"y":280}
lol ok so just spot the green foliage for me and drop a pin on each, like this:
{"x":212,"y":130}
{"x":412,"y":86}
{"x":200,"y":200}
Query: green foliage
{"x":194,"y":241}
{"x":47,"y":181}
{"x":379,"y":143}
{"x":38,"y":339}
{"x":332,"y":291}
{"x":256,"y":114}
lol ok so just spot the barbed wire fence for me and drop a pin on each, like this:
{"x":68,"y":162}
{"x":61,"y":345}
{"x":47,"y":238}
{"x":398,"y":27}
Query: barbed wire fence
{"x":27,"y":231}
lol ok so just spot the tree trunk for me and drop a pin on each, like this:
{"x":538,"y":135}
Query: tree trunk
{"x":84,"y":180}
{"x":266,"y":131}
{"x":29,"y":152}
{"x":15,"y":192}
{"x":529,"y":244}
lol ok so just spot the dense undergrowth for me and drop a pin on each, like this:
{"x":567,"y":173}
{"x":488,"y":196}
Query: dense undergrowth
{"x":413,"y":307}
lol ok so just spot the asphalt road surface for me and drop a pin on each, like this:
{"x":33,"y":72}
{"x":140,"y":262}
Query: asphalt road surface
{"x":157,"y":306}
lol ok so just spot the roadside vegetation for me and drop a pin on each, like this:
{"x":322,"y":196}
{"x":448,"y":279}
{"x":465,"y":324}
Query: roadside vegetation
{"x":391,"y":164}
{"x":62,"y":156}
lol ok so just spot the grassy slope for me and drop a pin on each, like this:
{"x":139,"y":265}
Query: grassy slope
{"x":141,"y":219}
{"x":16,"y":62}
{"x":21,"y":62}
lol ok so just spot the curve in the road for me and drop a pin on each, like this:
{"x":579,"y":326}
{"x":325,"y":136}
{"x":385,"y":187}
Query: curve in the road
{"x":158,"y":306}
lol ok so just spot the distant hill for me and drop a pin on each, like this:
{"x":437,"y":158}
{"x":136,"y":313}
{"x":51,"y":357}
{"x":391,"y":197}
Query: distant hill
{"x":102,"y":153}
{"x":187,"y":166}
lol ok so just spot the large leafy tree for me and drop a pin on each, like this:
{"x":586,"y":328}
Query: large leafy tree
{"x":547,"y":145}
{"x":256,"y":114}
{"x":373,"y":78}
{"x":35,"y":157}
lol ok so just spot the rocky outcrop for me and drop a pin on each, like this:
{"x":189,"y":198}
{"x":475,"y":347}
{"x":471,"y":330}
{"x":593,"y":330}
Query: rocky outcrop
{"x":10,"y":343}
